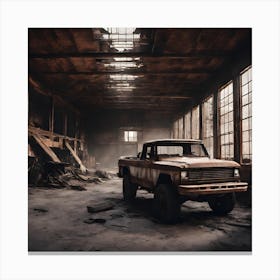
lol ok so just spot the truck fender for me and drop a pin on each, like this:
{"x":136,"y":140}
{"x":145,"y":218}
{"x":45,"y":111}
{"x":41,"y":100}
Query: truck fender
{"x":164,"y":179}
{"x":124,"y":170}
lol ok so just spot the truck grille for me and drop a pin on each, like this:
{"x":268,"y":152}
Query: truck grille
{"x":210,"y":173}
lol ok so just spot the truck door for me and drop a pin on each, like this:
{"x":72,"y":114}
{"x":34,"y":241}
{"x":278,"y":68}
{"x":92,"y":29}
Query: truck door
{"x":145,"y":168}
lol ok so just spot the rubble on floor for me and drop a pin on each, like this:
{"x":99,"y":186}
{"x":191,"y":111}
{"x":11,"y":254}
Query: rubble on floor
{"x":97,"y":221}
{"x":63,"y":175}
{"x":95,"y":207}
{"x":59,"y":167}
{"x":40,"y":209}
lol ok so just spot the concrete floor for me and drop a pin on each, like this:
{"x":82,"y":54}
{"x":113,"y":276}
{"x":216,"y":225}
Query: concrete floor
{"x":128,"y":227}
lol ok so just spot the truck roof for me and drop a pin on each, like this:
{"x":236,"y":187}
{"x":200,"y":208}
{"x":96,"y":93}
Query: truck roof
{"x":168,"y":141}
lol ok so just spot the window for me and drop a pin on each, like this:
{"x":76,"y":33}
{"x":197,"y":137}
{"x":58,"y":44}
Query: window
{"x":149,"y":152}
{"x":207,"y":125}
{"x":187,"y":131}
{"x":246,"y":114}
{"x":130,"y":136}
{"x":181,"y":128}
{"x":175,"y":129}
{"x":169,"y":150}
{"x":181,"y":149}
{"x":226,"y":121}
{"x":195,"y":123}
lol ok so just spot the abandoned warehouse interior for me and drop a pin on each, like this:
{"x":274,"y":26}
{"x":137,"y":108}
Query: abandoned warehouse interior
{"x":98,"y":94}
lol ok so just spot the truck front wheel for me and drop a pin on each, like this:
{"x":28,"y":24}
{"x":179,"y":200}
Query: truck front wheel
{"x":129,"y":189}
{"x":166,"y":204}
{"x":222,"y":205}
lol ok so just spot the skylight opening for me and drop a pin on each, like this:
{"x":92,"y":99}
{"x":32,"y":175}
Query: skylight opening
{"x":121,"y":39}
{"x":120,"y":77}
{"x":120,"y":59}
{"x":122,"y":87}
{"x":122,"y":64}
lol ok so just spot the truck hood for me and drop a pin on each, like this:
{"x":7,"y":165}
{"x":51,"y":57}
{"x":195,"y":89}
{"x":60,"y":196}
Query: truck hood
{"x":202,"y":162}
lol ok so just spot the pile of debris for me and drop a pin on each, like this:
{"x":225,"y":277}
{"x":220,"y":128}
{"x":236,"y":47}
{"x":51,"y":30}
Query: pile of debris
{"x":63,"y":175}
{"x":49,"y":166}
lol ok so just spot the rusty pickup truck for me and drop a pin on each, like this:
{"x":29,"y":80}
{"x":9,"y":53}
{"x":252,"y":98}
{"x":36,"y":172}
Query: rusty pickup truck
{"x":178,"y":170}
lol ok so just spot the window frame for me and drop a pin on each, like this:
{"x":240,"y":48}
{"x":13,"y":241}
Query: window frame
{"x":195,"y":112}
{"x":205,"y":123}
{"x":249,"y":129}
{"x":130,"y":139}
{"x":228,"y":117}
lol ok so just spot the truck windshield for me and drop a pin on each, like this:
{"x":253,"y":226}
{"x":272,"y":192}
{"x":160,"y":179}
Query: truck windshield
{"x":181,"y":150}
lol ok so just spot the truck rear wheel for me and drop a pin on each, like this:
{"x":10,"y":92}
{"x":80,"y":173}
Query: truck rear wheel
{"x":129,"y":189}
{"x":222,"y":205}
{"x":166,"y":204}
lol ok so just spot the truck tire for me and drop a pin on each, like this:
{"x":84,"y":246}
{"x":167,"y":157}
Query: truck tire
{"x":222,"y":205}
{"x":166,"y":204}
{"x":129,"y":189}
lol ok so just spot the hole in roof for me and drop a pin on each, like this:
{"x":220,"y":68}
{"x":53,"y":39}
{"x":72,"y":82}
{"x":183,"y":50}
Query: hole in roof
{"x":121,"y":65}
{"x":121,"y":39}
{"x":121,"y":77}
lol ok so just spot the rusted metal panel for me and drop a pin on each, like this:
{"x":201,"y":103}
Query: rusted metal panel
{"x":75,"y":156}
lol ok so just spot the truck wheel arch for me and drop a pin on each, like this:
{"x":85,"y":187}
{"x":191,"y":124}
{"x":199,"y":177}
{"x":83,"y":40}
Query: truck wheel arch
{"x":164,"y":179}
{"x":124,"y":170}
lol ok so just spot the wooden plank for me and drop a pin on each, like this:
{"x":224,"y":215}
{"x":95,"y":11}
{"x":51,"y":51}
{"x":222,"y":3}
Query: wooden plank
{"x":100,"y":206}
{"x":48,"y":133}
{"x":51,"y":118}
{"x":206,"y":53}
{"x":237,"y":118}
{"x":51,"y":143}
{"x":130,"y":71}
{"x":68,"y":146}
{"x":47,"y":149}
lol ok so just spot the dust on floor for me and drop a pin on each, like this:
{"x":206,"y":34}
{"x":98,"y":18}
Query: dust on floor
{"x":58,"y":220}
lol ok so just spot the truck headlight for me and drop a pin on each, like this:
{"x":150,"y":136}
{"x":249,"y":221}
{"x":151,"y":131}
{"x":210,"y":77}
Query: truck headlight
{"x":184,"y":174}
{"x":236,"y":172}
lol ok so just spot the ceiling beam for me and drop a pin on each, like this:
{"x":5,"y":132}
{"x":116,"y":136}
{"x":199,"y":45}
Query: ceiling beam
{"x":134,"y":98}
{"x":208,"y":53}
{"x":128,"y":72}
{"x":141,"y":108}
{"x":133,"y":93}
{"x":131,"y":105}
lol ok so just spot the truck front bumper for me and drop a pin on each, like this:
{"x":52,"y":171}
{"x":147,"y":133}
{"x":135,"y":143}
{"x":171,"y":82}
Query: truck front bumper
{"x":213,"y":188}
